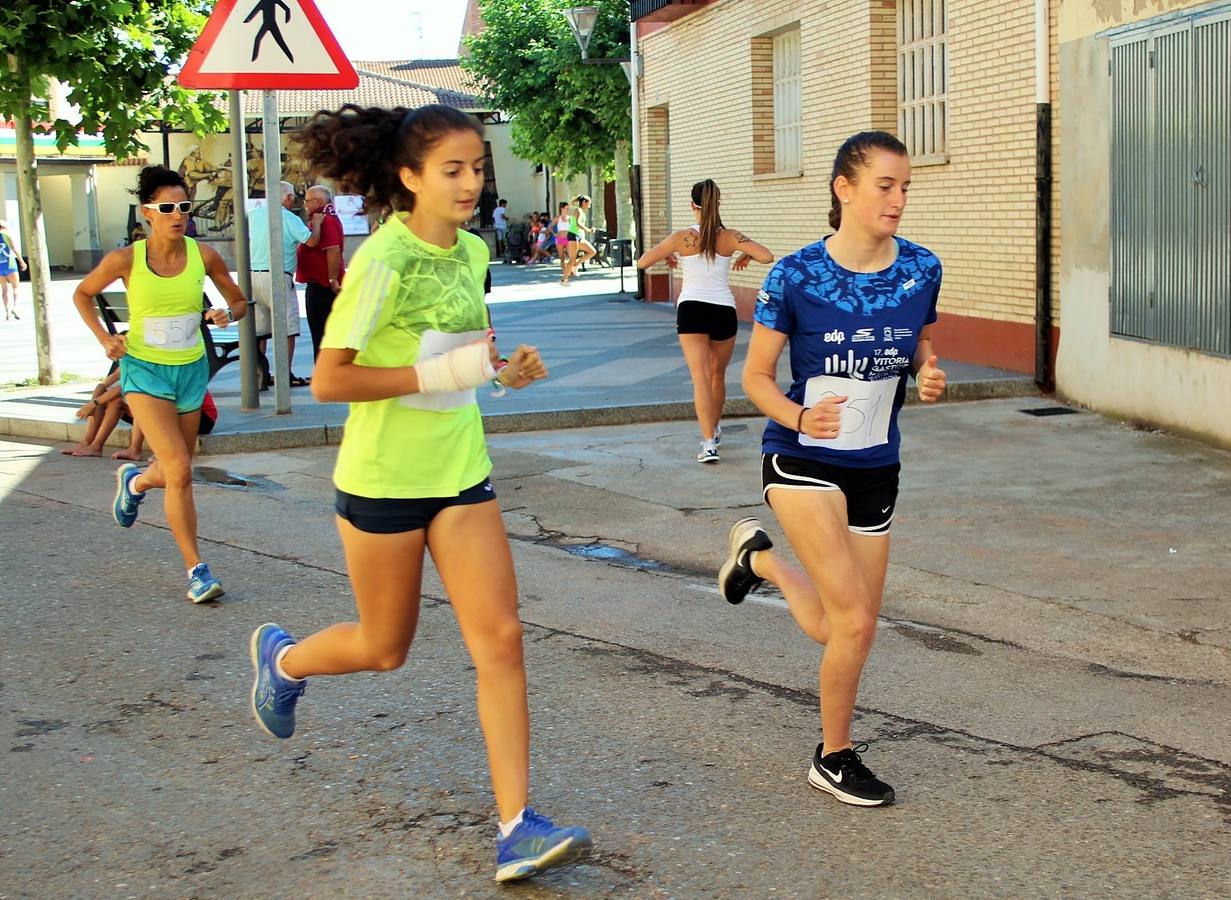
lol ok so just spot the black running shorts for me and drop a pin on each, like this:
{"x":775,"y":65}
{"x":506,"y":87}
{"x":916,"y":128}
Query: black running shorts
{"x":699,"y":317}
{"x":392,"y":515}
{"x":871,"y":494}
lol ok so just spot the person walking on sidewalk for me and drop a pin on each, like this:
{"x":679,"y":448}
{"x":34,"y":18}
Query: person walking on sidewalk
{"x":10,"y":263}
{"x":705,"y":315}
{"x":163,"y":369}
{"x":857,"y":308}
{"x":561,"y":230}
{"x":320,"y":265}
{"x":407,"y":346}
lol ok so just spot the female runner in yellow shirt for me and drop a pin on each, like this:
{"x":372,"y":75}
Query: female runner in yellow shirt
{"x":163,"y":369}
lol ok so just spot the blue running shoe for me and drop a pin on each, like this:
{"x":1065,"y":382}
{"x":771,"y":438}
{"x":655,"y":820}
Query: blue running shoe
{"x":273,"y":697}
{"x":126,"y":502}
{"x":537,"y":845}
{"x":202,"y":585}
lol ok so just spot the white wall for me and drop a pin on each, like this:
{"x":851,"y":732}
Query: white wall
{"x":1170,"y":387}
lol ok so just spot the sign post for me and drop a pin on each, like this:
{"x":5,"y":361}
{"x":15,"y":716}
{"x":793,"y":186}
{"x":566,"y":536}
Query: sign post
{"x":275,"y":45}
{"x":249,"y":390}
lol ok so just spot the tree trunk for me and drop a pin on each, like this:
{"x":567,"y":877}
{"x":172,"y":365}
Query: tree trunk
{"x":31,"y":205}
{"x":597,"y":185}
{"x":624,"y":193}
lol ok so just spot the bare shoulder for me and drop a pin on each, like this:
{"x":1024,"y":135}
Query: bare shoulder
{"x":688,"y":239}
{"x":210,"y":256}
{"x":117,"y":262}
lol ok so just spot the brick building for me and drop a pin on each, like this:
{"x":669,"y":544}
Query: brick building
{"x":758,"y":95}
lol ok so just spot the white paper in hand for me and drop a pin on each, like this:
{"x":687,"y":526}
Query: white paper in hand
{"x":865,"y":415}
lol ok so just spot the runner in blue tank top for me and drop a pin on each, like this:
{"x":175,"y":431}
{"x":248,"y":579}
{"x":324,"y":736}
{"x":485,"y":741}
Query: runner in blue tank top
{"x":857,"y":309}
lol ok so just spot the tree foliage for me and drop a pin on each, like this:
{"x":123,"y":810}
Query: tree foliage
{"x":113,"y":57}
{"x":566,"y":114}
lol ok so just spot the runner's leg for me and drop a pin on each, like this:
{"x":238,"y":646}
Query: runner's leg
{"x":386,"y":571}
{"x":816,"y":525}
{"x":173,"y":439}
{"x":484,"y":599}
{"x":697,"y":354}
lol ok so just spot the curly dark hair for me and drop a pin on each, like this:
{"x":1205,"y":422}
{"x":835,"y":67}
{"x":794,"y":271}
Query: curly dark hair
{"x":362,"y":150}
{"x":153,"y":179}
{"x":852,"y":156}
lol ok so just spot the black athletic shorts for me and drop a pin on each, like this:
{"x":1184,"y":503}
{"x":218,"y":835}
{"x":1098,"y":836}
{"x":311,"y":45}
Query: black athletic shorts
{"x":698,"y":317}
{"x":871,"y":494}
{"x":392,"y":515}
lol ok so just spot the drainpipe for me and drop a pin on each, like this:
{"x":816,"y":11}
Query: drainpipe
{"x":1043,"y":375}
{"x":634,"y":79}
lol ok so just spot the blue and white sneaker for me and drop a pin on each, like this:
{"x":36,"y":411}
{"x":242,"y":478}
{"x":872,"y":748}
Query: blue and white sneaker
{"x":273,"y":697}
{"x":202,"y":585}
{"x":717,"y":435}
{"x":537,"y":845}
{"x":126,"y":501}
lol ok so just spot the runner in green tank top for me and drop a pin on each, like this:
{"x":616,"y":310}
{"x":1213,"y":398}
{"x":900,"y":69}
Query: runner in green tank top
{"x":407,"y":344}
{"x":578,"y":244}
{"x":163,"y":370}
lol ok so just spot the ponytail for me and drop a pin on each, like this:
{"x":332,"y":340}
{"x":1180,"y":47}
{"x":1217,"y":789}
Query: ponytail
{"x":362,"y":150}
{"x":705,"y":195}
{"x":852,"y":156}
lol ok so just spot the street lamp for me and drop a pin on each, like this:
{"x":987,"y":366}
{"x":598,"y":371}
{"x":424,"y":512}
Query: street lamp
{"x":581,"y":21}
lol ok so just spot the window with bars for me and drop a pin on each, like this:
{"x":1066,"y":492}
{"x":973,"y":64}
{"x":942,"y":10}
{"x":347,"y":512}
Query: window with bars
{"x":923,"y":79}
{"x":788,"y":111}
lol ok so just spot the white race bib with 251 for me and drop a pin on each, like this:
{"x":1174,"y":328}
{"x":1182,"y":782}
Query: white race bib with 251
{"x":865,"y":415}
{"x":435,"y":343}
{"x":172,"y":332}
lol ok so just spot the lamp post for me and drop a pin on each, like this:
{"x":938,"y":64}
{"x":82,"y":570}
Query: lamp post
{"x":581,"y":21}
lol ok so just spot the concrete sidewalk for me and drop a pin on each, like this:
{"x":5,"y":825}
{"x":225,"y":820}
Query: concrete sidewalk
{"x":611,"y":362}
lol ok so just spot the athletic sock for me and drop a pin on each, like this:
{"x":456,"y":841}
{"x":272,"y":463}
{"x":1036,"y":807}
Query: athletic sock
{"x":278,"y":665}
{"x":506,"y":828}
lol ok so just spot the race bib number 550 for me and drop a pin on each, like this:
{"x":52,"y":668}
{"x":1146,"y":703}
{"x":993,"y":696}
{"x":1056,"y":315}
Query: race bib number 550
{"x":173,"y":332}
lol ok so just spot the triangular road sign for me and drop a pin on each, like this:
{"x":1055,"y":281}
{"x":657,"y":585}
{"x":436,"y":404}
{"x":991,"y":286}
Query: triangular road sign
{"x":267,"y":45}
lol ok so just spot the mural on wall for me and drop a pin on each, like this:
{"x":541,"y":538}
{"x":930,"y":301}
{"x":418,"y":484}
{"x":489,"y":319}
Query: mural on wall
{"x":209,"y":172}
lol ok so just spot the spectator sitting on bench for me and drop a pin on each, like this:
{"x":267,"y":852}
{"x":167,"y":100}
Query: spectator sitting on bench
{"x":104,"y":409}
{"x":107,"y":407}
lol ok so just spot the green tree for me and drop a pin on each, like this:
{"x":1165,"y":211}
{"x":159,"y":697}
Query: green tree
{"x":113,"y":58}
{"x":527,"y":63}
{"x":572,"y":116}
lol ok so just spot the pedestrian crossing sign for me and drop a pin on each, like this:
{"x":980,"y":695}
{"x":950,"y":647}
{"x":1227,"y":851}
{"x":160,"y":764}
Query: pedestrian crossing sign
{"x":267,"y":45}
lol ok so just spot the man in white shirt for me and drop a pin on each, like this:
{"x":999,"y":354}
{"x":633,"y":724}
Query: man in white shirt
{"x":500,"y":218}
{"x":294,"y":233}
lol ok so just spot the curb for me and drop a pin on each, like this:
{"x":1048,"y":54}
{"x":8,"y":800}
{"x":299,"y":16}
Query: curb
{"x":504,"y":423}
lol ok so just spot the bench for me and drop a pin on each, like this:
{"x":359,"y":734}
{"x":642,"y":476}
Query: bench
{"x":113,"y":309}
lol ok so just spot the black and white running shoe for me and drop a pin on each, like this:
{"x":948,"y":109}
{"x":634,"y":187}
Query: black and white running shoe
{"x":844,"y":775}
{"x":736,"y":580}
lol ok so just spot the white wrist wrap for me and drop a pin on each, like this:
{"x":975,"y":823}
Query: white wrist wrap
{"x":459,"y":369}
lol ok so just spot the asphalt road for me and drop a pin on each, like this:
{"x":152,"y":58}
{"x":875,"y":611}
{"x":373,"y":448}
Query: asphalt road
{"x":1048,"y":691}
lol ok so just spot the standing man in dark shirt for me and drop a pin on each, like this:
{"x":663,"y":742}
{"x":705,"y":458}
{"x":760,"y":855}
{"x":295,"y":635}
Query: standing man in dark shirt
{"x":320,"y":267}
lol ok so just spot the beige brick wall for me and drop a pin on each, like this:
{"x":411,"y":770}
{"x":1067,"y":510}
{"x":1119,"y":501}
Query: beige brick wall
{"x":976,"y":211}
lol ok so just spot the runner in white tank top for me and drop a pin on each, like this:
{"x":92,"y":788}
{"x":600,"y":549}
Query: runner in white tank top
{"x":705,"y":318}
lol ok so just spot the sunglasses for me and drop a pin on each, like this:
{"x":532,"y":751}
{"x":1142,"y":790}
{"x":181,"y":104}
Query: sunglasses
{"x":184,"y":206}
